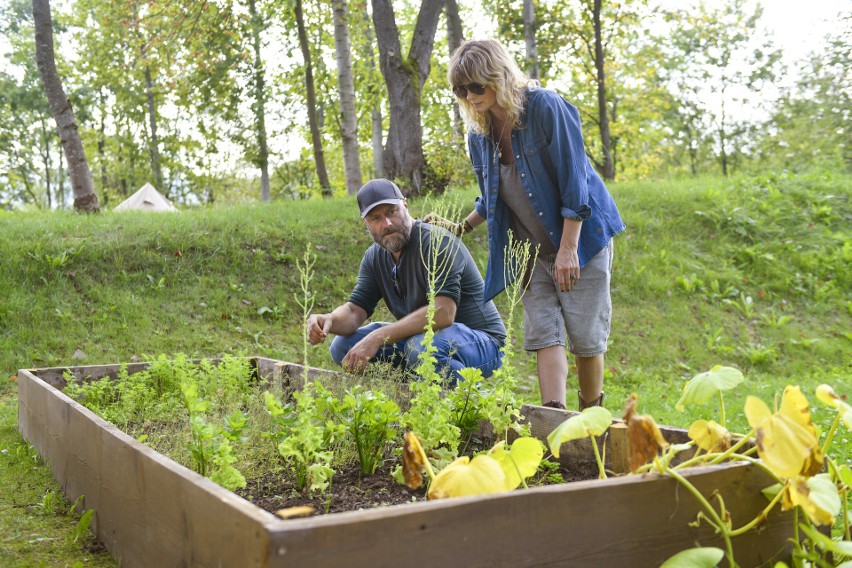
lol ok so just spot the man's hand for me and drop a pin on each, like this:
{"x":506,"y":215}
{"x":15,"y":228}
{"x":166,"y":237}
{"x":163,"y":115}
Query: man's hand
{"x":356,"y":360}
{"x":318,"y":328}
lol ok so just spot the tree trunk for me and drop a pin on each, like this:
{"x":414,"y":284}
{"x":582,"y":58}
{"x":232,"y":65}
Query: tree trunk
{"x":259,"y":103}
{"x":404,"y":78}
{"x":85,"y":198}
{"x":529,"y":39}
{"x":455,"y":36}
{"x":313,"y":120}
{"x":603,"y":117}
{"x":723,"y":136}
{"x":154,"y":142}
{"x":377,"y":142}
{"x":346,"y":86}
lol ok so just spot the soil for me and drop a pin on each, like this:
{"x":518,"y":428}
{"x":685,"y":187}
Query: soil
{"x":350,"y":491}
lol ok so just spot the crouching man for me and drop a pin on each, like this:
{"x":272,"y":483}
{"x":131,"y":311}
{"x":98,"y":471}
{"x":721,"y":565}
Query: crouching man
{"x":469,"y":333}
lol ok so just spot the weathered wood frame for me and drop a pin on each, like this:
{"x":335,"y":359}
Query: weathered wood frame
{"x":151,"y":511}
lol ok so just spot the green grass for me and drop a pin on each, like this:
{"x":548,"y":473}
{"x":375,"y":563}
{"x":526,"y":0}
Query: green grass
{"x":753,"y":273}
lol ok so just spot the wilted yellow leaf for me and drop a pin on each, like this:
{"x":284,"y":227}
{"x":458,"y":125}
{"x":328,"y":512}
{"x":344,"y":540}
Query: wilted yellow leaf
{"x":786,"y":441}
{"x":817,"y":497}
{"x":413,"y":461}
{"x":464,"y":476}
{"x":710,"y":436}
{"x":644,"y":439}
{"x":827,"y":396}
{"x":520,"y":460}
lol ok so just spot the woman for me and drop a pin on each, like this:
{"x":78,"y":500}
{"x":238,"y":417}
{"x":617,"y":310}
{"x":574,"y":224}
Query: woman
{"x":527,"y":151}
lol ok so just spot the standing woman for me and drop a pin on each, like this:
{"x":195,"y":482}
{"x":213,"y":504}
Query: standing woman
{"x":526,"y":148}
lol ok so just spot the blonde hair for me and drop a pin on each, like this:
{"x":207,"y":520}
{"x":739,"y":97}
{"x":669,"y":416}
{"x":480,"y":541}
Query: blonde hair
{"x":488,"y":62}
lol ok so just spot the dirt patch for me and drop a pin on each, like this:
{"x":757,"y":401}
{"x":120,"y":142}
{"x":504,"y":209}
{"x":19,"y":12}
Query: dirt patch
{"x":350,"y":491}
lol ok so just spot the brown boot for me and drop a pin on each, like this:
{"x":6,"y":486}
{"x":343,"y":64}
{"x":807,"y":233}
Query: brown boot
{"x":554,"y":404}
{"x":584,"y":404}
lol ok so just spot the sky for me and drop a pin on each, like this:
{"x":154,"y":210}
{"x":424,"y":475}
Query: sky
{"x":798,"y":27}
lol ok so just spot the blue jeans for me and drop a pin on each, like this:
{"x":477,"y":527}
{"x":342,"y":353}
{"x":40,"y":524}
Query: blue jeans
{"x":458,"y":346}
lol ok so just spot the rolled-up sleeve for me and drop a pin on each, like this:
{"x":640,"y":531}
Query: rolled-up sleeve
{"x":560,"y":121}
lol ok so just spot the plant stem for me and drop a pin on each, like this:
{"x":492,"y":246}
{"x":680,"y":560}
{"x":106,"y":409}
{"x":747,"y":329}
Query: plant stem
{"x":602,"y":474}
{"x":759,"y":518}
{"x":713,"y":518}
{"x":830,"y":436}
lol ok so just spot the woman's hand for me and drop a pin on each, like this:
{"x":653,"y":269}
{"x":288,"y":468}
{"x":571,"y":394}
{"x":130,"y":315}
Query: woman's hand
{"x":434,"y":219}
{"x":567,"y":269}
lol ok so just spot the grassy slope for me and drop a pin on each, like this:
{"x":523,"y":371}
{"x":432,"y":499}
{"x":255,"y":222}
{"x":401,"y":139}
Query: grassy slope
{"x":752,"y":273}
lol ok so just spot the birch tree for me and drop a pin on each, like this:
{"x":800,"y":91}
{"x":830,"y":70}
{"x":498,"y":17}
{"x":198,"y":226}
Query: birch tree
{"x":346,"y":90}
{"x":85,"y":198}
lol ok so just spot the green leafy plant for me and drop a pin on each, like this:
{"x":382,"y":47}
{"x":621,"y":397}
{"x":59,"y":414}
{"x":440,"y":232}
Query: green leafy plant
{"x":302,"y":439}
{"x":370,"y":419}
{"x":211,"y":444}
{"x":590,"y":423}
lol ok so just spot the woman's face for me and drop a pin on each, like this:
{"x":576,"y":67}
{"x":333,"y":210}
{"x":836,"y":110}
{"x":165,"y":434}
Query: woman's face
{"x":483,"y":103}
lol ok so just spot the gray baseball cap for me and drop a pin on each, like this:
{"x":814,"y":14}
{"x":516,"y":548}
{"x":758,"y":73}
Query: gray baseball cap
{"x":377,"y":192}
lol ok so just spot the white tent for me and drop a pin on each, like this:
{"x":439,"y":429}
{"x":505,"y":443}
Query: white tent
{"x":146,"y":199}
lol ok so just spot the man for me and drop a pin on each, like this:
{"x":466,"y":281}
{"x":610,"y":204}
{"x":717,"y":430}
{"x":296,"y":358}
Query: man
{"x":469,"y":333}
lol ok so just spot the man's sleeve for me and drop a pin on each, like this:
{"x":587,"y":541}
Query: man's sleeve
{"x":366,"y":294}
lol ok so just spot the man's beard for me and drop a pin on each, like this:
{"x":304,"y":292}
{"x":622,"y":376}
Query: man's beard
{"x":394,"y":238}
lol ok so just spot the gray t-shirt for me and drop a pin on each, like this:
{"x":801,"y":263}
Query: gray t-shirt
{"x":458,"y":279}
{"x":523,"y":221}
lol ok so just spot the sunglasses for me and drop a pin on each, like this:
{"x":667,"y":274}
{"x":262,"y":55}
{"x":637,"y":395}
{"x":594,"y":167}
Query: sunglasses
{"x":461,"y":90}
{"x":396,"y":287}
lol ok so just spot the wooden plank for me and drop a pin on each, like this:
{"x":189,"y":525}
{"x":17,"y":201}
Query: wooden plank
{"x":630,"y":521}
{"x":151,"y":511}
{"x":618,"y":449}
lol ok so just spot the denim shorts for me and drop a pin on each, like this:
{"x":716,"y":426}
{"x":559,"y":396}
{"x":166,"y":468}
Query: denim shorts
{"x":582,"y":315}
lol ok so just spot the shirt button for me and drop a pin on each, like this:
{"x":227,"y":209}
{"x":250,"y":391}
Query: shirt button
{"x":540,"y":213}
{"x":518,"y":157}
{"x":523,"y":174}
{"x":530,"y":194}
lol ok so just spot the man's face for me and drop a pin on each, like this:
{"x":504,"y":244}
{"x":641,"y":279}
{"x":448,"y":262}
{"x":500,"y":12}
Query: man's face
{"x":390,"y":226}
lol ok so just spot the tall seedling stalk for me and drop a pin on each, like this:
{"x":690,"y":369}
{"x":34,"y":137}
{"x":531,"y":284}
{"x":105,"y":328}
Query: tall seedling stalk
{"x":306,"y":300}
{"x":504,"y":413}
{"x":430,"y":413}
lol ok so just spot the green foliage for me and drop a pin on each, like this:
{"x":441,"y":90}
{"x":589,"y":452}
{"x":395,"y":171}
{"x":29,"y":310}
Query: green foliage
{"x":211,"y":444}
{"x":303,"y":439}
{"x":371,"y":419}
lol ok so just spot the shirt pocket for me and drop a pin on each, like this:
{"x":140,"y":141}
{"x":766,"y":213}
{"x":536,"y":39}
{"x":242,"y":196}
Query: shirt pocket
{"x":535,"y":146}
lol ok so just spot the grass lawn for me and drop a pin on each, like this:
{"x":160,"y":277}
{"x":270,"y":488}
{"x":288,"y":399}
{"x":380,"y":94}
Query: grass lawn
{"x":753,"y":273}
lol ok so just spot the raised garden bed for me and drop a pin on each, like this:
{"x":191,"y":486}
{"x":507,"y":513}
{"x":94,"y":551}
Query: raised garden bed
{"x":151,"y":511}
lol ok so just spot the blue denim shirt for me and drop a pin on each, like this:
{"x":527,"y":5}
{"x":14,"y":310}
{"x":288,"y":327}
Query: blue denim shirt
{"x":557,"y":177}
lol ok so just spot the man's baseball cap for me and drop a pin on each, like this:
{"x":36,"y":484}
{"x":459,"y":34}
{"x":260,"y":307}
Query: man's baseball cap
{"x":377,"y":192}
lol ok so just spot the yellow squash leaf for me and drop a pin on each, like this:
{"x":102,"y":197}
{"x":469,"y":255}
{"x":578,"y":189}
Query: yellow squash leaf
{"x":704,"y":386}
{"x":520,"y":460}
{"x":827,"y":396}
{"x":464,"y":476}
{"x":784,"y":443}
{"x":817,"y":496}
{"x":592,"y":421}
{"x":710,"y":436}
